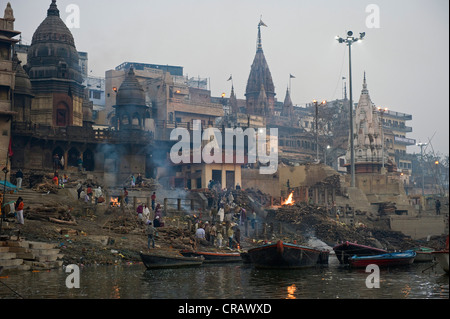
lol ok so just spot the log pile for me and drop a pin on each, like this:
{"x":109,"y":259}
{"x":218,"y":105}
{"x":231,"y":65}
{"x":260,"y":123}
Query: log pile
{"x":53,"y":213}
{"x":46,"y":187}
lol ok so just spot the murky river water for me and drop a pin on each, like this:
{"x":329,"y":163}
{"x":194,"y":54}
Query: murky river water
{"x":229,"y":281}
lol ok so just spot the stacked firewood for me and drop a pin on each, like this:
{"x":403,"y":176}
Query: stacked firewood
{"x":46,"y":188}
{"x":51,"y":212}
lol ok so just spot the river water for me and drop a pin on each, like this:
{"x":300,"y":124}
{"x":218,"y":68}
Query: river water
{"x":228,"y":281}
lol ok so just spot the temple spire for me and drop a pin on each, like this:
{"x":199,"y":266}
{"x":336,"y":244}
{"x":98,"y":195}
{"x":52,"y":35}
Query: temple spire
{"x":259,"y":45}
{"x":53,"y":10}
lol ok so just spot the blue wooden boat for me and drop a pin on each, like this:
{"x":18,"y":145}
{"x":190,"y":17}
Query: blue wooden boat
{"x":348,"y":249}
{"x":384,"y":260}
{"x":288,"y":256}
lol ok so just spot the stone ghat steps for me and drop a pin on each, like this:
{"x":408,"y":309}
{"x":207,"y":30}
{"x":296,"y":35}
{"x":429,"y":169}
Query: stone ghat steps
{"x":29,"y":255}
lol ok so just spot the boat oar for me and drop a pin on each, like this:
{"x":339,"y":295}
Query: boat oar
{"x":434,"y":264}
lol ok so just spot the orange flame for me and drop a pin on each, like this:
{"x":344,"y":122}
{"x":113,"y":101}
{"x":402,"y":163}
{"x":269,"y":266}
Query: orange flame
{"x":114,"y":202}
{"x":289,"y":201}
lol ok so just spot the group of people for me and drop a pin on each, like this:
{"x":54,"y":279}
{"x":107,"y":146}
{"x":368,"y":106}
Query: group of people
{"x":136,"y":181}
{"x":89,"y":194}
{"x":215,"y":233}
{"x":152,"y":222}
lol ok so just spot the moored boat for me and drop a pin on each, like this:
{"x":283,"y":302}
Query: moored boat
{"x":384,"y":260}
{"x":442,"y":259}
{"x":285,"y":255}
{"x":157,"y":260}
{"x":348,"y":249}
{"x":424,"y":254}
{"x":214,"y":257}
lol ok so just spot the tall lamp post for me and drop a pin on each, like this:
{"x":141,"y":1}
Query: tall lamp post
{"x":382,"y":110}
{"x":422,"y":145}
{"x":317,"y":126}
{"x":349,"y":40}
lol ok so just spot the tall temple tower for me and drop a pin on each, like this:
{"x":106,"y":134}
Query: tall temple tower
{"x":260,"y":91}
{"x":368,"y":137}
{"x":55,"y":74}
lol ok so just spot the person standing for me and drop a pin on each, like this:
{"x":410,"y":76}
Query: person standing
{"x":212,"y":234}
{"x":55,"y":162}
{"x":150,"y":234}
{"x":19,"y":210}
{"x":438,"y":207}
{"x":80,"y":164}
{"x":125,"y":195}
{"x":79,"y":189}
{"x":153,"y":200}
{"x":19,"y":178}
{"x":230,"y":233}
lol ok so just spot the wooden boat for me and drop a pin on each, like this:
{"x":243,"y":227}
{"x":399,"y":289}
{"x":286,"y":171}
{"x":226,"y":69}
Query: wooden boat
{"x":442,"y":259}
{"x":424,"y":254}
{"x":214,"y":257}
{"x":347,"y":249}
{"x":384,"y":260}
{"x":284,"y":255}
{"x":155,"y":261}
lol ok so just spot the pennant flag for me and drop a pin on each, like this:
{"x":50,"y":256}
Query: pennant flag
{"x":231,"y":77}
{"x":10,"y":151}
{"x":262,"y":23}
{"x":291,"y":76}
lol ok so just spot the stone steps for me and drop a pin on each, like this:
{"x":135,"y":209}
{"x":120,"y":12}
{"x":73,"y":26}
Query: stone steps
{"x":29,"y":255}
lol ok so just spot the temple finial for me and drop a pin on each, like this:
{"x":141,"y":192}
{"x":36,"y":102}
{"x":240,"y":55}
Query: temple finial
{"x":53,"y":10}
{"x":259,"y":46}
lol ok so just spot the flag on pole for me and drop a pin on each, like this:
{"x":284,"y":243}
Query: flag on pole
{"x":291,"y":76}
{"x":231,"y":77}
{"x":262,"y":23}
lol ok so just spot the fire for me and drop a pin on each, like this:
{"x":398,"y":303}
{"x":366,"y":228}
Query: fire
{"x":289,"y":201}
{"x":114,"y":202}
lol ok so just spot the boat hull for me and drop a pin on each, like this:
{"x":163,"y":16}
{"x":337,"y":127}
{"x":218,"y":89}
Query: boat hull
{"x":442,"y":259}
{"x":153,"y":261}
{"x":348,"y":249}
{"x":214,"y":257}
{"x":384,"y":260}
{"x":283,"y":255}
{"x":424,"y":254}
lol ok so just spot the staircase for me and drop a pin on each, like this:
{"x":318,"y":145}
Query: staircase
{"x":29,"y":255}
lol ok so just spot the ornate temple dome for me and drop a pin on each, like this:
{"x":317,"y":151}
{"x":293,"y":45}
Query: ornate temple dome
{"x":52,"y":53}
{"x":131,"y":91}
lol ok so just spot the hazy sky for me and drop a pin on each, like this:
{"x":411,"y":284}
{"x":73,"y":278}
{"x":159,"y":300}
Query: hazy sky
{"x":405,"y":56}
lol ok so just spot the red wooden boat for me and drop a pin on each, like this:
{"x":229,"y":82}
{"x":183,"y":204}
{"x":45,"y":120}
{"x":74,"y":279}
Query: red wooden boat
{"x":348,"y":249}
{"x":384,"y":260}
{"x":284,"y":255}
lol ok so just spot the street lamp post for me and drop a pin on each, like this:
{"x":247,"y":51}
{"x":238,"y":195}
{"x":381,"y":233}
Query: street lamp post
{"x":349,"y":40}
{"x":382,"y":110}
{"x":422,"y":145}
{"x":317,"y":126}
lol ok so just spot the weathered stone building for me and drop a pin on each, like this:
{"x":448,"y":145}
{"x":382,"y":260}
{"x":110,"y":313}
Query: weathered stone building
{"x":7,"y":83}
{"x":54,"y":114}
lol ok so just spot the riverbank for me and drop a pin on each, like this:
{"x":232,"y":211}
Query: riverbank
{"x":89,"y":234}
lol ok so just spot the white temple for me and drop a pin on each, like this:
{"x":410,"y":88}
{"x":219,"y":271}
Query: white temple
{"x":368,"y":136}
